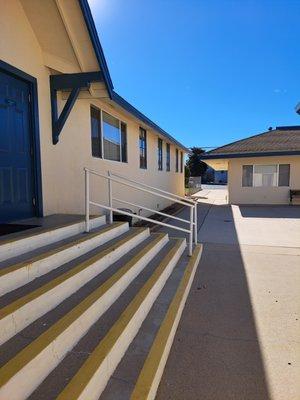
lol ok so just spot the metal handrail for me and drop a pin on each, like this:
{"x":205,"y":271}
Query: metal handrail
{"x":192,"y":231}
{"x":153,"y":188}
{"x":150,"y":209}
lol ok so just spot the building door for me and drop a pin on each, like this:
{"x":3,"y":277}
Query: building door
{"x":17,"y":197}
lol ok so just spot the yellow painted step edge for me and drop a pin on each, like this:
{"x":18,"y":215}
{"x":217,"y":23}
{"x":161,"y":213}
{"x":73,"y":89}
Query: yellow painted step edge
{"x":12,"y":367}
{"x":14,"y":267}
{"x":80,"y":380}
{"x":26,"y":235}
{"x":150,"y":375}
{"x":10,"y":308}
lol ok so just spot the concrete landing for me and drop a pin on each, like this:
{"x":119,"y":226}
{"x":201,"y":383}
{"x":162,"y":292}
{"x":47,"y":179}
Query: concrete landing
{"x":239,"y":334}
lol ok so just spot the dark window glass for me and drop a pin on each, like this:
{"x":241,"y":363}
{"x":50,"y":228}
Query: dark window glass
{"x":168,"y":157}
{"x":124,"y":142}
{"x":247,"y":179}
{"x":181,"y":162}
{"x":160,"y":154}
{"x":176,"y":160}
{"x":96,"y":132}
{"x":143,"y":148}
{"x":284,"y":175}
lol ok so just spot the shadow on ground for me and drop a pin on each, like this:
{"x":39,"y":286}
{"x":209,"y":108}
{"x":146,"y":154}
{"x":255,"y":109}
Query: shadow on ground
{"x":216,"y":353}
{"x":292,"y":211}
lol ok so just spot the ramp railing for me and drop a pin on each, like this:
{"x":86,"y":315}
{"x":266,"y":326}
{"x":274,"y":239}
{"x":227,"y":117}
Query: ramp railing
{"x":111,"y":177}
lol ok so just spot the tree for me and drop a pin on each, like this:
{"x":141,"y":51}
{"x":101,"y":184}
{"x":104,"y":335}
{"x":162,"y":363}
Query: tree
{"x":187,"y":175}
{"x":194,"y":163}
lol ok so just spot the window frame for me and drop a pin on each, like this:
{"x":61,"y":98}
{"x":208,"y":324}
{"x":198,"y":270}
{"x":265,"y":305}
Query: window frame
{"x":145,"y":158}
{"x":92,"y":107}
{"x":120,"y":122}
{"x":177,"y":160}
{"x":168,"y":157}
{"x":181,"y":162}
{"x":277,"y":175}
{"x":160,"y":154}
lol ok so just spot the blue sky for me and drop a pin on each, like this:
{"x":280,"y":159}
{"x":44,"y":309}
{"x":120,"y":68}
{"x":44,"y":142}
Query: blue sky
{"x":207,"y":71}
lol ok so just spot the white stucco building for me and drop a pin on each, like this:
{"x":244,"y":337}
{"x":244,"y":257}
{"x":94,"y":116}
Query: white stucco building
{"x":60,"y":113}
{"x":262,"y":169}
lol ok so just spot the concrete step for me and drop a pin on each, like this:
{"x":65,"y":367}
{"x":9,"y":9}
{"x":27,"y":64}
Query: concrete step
{"x":56,"y":381}
{"x":151,"y":373}
{"x":21,"y":312}
{"x":91,"y":379}
{"x":18,"y":342}
{"x":138,"y":375}
{"x":35,"y":284}
{"x":24,"y":372}
{"x":23,"y":272}
{"x":35,"y":238}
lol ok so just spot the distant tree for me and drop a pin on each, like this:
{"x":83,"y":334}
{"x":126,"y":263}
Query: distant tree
{"x":187,"y":175}
{"x":194,"y":163}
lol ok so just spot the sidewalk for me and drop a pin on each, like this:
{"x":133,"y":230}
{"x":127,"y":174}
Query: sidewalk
{"x":238,"y":338}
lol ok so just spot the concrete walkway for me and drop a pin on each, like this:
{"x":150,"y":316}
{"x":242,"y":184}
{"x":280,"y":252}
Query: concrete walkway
{"x":239,"y":336}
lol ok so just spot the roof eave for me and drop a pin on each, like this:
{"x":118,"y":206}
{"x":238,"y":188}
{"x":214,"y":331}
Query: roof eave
{"x":252,"y":154}
{"x":86,"y":12}
{"x":132,"y":110}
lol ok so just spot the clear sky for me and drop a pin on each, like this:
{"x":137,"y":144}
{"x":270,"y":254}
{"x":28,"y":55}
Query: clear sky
{"x":207,"y":71}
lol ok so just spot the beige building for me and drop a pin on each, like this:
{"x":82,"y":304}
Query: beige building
{"x":60,"y":113}
{"x":262,"y":169}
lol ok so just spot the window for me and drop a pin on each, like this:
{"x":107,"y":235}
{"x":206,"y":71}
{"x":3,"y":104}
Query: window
{"x":160,"y":154}
{"x":247,"y":179}
{"x":143,"y":148}
{"x":111,"y":137}
{"x":96,"y":132}
{"x":110,"y":142}
{"x":177,"y":160}
{"x":124,"y":142}
{"x":181,"y":162}
{"x":266,"y":175}
{"x":284,"y":175}
{"x":168,"y":157}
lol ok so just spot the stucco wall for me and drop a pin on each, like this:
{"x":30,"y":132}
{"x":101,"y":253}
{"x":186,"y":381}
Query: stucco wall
{"x":62,"y":164}
{"x":261,"y":195}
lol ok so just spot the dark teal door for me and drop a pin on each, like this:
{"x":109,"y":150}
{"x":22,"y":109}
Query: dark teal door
{"x":16,"y":163}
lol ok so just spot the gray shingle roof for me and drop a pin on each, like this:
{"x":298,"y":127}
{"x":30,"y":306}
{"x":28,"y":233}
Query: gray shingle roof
{"x":282,"y":140}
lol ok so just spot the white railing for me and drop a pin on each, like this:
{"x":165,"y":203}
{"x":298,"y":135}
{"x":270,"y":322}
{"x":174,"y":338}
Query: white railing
{"x":122,"y":180}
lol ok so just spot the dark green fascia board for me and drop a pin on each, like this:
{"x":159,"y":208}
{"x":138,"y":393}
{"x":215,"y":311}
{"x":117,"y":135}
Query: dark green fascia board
{"x":133,"y":111}
{"x":253,"y":154}
{"x":87,"y":15}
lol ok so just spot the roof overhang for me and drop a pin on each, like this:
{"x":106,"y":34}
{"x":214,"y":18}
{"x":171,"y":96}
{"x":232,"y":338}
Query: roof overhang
{"x":71,"y":49}
{"x":141,"y":117}
{"x":252,"y":154}
{"x":86,"y":11}
{"x":218,"y":165}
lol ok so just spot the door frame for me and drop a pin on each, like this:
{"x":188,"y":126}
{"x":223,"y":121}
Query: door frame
{"x":33,"y":129}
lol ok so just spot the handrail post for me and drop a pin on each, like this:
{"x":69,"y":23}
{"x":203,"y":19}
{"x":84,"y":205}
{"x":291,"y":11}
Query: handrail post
{"x":191,"y":231}
{"x":196,"y":224}
{"x":110,"y":197}
{"x":87,"y":199}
